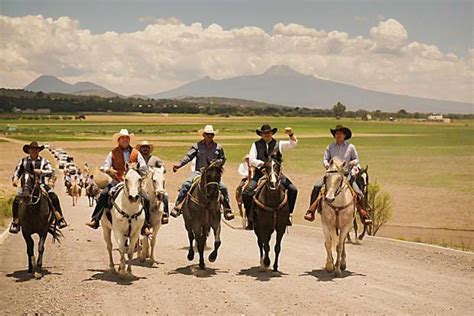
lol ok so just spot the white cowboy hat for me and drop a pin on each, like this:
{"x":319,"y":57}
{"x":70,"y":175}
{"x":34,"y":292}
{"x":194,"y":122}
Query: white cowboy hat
{"x":145,"y":143}
{"x":209,"y":129}
{"x":123,"y":132}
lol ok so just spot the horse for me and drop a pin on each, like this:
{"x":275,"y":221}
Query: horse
{"x":362,"y":180}
{"x":36,"y":216}
{"x":238,"y":197}
{"x":201,"y":211}
{"x":127,"y":219}
{"x":337,"y":214}
{"x":154,"y":186}
{"x":74,"y":192}
{"x":271,"y":211}
{"x":92,"y":191}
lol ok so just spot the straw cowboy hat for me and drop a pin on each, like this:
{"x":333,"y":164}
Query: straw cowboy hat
{"x":345,"y":130}
{"x":34,"y":144}
{"x":266,"y":128}
{"x":123,"y":132}
{"x":145,"y":143}
{"x":208,"y":129}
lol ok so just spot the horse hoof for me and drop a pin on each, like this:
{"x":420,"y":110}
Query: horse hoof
{"x":262,"y":269}
{"x":213,"y":256}
{"x":266,"y":262}
{"x":343,"y":266}
{"x":38,"y":275}
{"x":329,"y":268}
{"x":338,"y":273}
{"x":202,"y":267}
{"x":190,"y":256}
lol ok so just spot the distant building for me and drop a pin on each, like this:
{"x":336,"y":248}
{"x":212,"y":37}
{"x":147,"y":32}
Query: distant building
{"x":37,"y":111}
{"x":434,"y":117}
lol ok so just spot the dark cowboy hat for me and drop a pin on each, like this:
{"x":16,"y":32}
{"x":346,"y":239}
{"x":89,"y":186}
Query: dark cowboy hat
{"x":266,"y":128}
{"x":345,"y":130}
{"x":26,"y":148}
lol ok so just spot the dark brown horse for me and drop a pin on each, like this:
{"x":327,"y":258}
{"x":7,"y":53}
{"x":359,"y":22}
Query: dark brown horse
{"x":201,"y":211}
{"x":362,"y":180}
{"x":36,"y":217}
{"x":271,"y":211}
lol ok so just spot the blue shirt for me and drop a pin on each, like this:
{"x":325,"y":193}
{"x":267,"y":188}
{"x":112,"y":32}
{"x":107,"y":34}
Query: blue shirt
{"x":344,"y":151}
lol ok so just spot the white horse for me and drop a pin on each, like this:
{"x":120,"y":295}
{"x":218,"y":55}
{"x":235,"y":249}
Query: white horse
{"x":337,"y":215}
{"x":128,"y":218}
{"x":154,"y":186}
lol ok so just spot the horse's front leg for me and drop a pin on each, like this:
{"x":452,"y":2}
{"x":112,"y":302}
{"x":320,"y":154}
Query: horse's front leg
{"x":343,"y":257}
{"x":39,"y":264}
{"x":191,"y":245}
{"x":153,"y":243}
{"x":266,"y":247}
{"x":279,"y":237}
{"x":328,"y":246}
{"x":217,"y":241}
{"x":108,"y":240}
{"x":339,"y":248}
{"x":131,"y":248}
{"x":201,"y":242}
{"x":121,"y":248}
{"x":30,"y":247}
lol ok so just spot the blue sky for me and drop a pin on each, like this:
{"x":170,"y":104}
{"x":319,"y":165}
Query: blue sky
{"x":447,"y":24}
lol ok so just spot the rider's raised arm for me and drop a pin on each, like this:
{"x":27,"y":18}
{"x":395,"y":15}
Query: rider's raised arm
{"x":190,"y":155}
{"x":288,"y":144}
{"x":19,"y":169}
{"x":254,"y":162}
{"x":327,"y":157}
{"x":108,"y":162}
{"x":221,"y":154}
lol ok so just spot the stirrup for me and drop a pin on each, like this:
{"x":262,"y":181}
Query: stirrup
{"x":94,"y":224}
{"x":62,"y":223}
{"x":175,"y":212}
{"x":14,"y":228}
{"x":164,"y":219}
{"x":228,"y":214}
{"x":309,"y":216}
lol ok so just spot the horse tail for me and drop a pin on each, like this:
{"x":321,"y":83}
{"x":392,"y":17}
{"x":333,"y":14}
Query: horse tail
{"x":55,"y":232}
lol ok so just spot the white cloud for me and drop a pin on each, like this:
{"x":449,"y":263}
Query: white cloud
{"x":168,"y":53}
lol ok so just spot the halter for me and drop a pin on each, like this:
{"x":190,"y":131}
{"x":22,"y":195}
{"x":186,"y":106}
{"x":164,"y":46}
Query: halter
{"x":33,"y":199}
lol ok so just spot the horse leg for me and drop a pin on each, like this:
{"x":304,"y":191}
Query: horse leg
{"x":343,"y":257}
{"x":329,"y":258}
{"x":131,"y":248}
{"x":356,"y":229}
{"x":260,"y":248}
{"x":217,"y":242}
{"x":108,"y":240}
{"x":143,"y":252}
{"x":152,"y":246}
{"x":361,"y":236}
{"x":191,"y":246}
{"x":339,"y":248}
{"x":279,"y":237}
{"x":30,"y":252}
{"x":266,"y":247}
{"x":201,"y":242}
{"x":39,"y":264}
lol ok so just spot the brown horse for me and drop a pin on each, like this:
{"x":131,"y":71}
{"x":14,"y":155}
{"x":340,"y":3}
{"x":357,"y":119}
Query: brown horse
{"x":271,"y":211}
{"x":201,"y":211}
{"x":74,"y":192}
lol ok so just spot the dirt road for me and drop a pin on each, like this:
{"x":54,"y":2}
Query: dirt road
{"x":383,"y":276}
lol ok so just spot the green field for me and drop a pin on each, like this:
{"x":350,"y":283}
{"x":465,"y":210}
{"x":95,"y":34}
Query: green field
{"x":402,"y":152}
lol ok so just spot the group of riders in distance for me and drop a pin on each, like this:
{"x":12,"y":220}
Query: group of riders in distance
{"x":135,"y":202}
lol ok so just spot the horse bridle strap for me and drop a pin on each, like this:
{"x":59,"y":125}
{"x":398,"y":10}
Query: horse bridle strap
{"x":128,"y":217}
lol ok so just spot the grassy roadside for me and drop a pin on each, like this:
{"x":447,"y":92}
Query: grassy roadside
{"x":5,"y":209}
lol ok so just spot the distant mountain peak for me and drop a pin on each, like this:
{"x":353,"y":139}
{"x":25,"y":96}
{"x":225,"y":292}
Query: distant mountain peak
{"x":281,"y":70}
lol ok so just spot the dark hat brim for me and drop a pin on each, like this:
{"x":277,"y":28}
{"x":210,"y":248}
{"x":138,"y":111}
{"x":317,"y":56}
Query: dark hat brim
{"x":260,"y":132}
{"x":26,"y":148}
{"x":345,"y":130}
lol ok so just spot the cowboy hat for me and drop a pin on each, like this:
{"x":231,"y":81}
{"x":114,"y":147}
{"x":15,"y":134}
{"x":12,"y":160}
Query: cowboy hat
{"x":34,"y":144}
{"x":266,"y":128}
{"x":208,"y":129}
{"x":123,"y":132}
{"x":145,"y":143}
{"x":345,"y":130}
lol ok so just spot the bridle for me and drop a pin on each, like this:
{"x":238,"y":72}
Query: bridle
{"x":33,"y":199}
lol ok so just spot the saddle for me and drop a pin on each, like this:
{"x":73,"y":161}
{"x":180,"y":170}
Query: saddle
{"x":113,"y":193}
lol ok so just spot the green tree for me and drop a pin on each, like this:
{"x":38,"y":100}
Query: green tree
{"x":339,"y":109}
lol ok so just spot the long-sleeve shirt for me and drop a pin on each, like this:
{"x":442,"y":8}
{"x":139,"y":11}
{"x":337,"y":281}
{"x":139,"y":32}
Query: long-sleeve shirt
{"x":27,"y":164}
{"x":203,"y":153}
{"x":283,"y":146}
{"x":344,"y":151}
{"x":143,"y":168}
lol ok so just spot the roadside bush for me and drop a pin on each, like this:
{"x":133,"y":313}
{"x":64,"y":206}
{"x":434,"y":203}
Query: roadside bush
{"x":381,"y":207}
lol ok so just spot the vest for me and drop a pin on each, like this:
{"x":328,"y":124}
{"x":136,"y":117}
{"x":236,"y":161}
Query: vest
{"x":262,"y":153}
{"x":118,"y":161}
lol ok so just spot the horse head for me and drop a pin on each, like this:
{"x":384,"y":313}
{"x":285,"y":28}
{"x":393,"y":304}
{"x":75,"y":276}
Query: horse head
{"x":132,"y":182}
{"x":157,"y":179}
{"x":272,"y":169}
{"x":211,"y":178}
{"x":334,"y":178}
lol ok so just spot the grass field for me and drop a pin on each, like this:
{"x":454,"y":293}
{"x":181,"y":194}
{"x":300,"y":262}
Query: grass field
{"x":427,"y":167}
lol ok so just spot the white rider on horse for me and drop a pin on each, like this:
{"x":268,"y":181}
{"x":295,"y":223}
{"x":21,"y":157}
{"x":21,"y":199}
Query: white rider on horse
{"x":41,"y":168}
{"x":115,"y":166}
{"x":205,"y":151}
{"x":348,"y":153}
{"x":258,"y":154}
{"x":146,"y":149}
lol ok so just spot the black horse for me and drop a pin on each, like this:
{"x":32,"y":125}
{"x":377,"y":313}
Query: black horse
{"x":270,"y":211}
{"x":362,"y":180}
{"x":201,"y":211}
{"x":36,"y":216}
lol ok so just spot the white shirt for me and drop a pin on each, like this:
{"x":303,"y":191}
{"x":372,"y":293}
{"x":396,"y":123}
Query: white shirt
{"x":282,"y":144}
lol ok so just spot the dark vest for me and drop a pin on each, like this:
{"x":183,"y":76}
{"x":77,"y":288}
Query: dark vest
{"x":262,"y":153}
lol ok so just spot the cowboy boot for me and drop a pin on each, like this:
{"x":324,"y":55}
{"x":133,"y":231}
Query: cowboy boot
{"x":56,"y":207}
{"x":314,"y":203}
{"x":364,"y":215}
{"x":176,"y":211}
{"x":228,"y":215}
{"x":15,"y":224}
{"x":165,"y":217}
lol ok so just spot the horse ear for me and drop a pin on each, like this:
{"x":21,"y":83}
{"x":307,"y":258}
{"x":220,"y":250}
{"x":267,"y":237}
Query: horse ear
{"x":366,"y":168}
